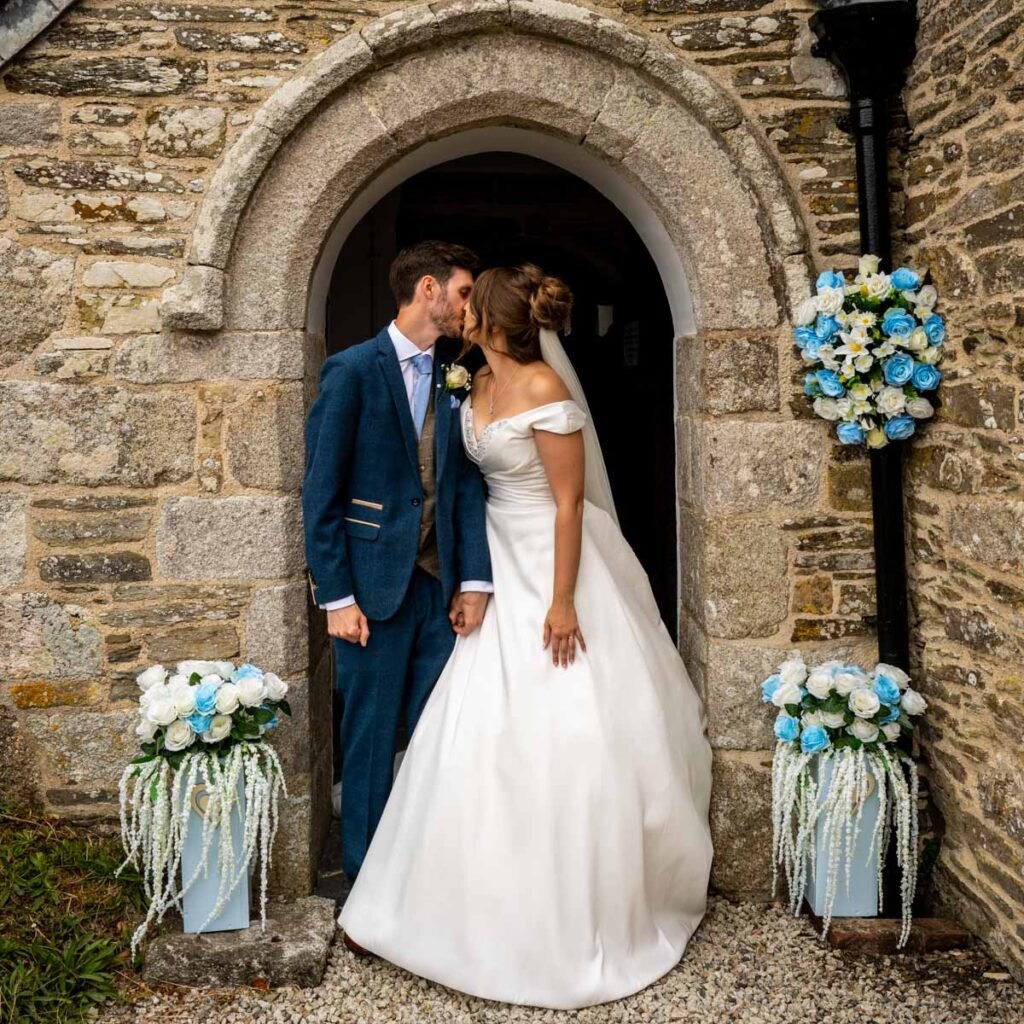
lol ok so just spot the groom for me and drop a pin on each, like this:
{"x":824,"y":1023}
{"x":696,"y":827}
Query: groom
{"x":394,"y":523}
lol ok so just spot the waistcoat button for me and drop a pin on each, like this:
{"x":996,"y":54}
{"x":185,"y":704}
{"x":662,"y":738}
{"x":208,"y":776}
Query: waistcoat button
{"x":415,"y":502}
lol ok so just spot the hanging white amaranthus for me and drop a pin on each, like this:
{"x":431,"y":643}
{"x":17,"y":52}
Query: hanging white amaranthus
{"x":839,"y":713}
{"x":202,"y":726}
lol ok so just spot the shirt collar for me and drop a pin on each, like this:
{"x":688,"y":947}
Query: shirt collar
{"x":404,"y":348}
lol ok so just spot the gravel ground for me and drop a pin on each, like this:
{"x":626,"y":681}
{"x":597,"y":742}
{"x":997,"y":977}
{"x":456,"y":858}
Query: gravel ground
{"x":747,"y":963}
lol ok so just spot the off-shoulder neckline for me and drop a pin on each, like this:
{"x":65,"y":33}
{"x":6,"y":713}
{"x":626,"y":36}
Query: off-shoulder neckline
{"x":507,"y":419}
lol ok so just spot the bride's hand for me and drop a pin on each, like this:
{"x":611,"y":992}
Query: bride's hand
{"x":562,"y":632}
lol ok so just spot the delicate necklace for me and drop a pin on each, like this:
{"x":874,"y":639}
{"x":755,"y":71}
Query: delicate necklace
{"x":495,"y":392}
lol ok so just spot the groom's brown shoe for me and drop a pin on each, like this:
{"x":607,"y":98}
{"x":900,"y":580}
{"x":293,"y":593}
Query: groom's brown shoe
{"x":354,"y":946}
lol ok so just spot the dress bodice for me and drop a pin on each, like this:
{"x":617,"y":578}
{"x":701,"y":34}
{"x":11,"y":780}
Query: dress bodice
{"x":506,"y":451}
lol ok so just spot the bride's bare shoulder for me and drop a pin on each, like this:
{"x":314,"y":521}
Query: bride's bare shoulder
{"x":544,"y":386}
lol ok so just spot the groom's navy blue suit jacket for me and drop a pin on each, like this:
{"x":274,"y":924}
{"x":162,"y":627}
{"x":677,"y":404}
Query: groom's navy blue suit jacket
{"x":362,"y":499}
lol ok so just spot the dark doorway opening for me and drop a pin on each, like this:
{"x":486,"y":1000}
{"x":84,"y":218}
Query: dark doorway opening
{"x":512,"y":208}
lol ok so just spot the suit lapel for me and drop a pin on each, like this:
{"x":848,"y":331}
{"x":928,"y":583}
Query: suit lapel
{"x":393,"y":375}
{"x":442,"y":418}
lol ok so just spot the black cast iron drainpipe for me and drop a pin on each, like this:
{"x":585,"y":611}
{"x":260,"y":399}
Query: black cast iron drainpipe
{"x":872,"y":42}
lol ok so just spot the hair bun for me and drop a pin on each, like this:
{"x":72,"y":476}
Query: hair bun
{"x":550,"y":299}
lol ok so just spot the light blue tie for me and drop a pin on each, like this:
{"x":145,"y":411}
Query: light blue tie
{"x":423,"y":364}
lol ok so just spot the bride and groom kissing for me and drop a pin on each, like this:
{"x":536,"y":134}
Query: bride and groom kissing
{"x":546,"y":840}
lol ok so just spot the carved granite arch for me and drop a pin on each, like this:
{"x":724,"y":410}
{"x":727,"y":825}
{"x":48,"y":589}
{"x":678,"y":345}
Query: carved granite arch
{"x":429,"y":71}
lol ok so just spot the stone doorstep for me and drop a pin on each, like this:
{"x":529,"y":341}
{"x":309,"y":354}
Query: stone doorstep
{"x":292,"y":951}
{"x":877,"y":936}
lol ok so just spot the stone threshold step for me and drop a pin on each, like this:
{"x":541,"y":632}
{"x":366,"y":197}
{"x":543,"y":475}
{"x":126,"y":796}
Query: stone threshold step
{"x":877,"y":936}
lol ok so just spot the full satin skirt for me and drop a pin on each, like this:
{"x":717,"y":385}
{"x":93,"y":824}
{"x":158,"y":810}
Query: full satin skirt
{"x":546,"y":842}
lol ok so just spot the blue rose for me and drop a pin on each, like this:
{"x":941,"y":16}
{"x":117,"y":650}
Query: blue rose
{"x":787,"y":728}
{"x":811,"y":385}
{"x":768,"y":688}
{"x":891,"y":713}
{"x":812,"y":350}
{"x":935,"y":328}
{"x":272,"y":724}
{"x":898,"y":369}
{"x":246,"y":671}
{"x":829,"y":279}
{"x":926,"y":377}
{"x":200,"y":723}
{"x":826,"y":326}
{"x":850,"y":433}
{"x":802,"y":335}
{"x":206,"y":698}
{"x":899,"y":428}
{"x":899,"y":325}
{"x":830,"y":384}
{"x":887,"y":690}
{"x":904,"y":279}
{"x":813,"y":739}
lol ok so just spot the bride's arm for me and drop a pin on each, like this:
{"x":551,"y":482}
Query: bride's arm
{"x":563,"y":459}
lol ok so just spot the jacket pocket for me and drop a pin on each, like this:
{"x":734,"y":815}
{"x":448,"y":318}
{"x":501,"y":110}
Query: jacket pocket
{"x":361,"y":528}
{"x":366,"y":504}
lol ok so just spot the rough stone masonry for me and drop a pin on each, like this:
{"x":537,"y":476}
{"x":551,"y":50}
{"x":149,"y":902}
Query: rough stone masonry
{"x":149,"y":507}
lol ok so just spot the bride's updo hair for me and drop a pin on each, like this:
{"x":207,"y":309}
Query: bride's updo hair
{"x":519,"y":301}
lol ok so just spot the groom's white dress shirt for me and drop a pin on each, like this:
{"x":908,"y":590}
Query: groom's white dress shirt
{"x":406,"y":350}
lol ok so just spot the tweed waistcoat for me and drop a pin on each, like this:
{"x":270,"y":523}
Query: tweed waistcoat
{"x":427,"y":557}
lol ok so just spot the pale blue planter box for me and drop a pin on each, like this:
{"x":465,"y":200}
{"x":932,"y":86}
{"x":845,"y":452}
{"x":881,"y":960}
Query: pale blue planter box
{"x":200,"y":899}
{"x":862,"y":898}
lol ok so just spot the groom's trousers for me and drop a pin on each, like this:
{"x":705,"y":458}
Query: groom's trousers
{"x":382,"y":686}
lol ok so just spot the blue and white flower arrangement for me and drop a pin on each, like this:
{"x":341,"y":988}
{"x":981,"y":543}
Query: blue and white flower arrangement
{"x":204,"y":725}
{"x":874,"y":345}
{"x":856,"y":719}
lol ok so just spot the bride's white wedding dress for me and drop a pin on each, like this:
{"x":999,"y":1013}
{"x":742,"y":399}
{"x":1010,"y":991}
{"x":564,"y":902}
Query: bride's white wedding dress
{"x":546,"y":841}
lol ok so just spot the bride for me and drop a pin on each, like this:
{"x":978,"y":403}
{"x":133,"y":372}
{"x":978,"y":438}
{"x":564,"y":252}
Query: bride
{"x":546,"y":841}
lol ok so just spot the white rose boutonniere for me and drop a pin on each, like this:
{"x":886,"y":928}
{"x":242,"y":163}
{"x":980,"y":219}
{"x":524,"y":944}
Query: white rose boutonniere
{"x":457,"y":380}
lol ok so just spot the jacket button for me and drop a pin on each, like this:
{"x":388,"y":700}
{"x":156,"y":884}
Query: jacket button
{"x":415,"y":502}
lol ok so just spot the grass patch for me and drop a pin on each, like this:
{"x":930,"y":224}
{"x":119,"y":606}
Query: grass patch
{"x":65,"y":920}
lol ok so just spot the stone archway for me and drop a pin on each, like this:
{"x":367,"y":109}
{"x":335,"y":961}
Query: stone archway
{"x":720,"y":222}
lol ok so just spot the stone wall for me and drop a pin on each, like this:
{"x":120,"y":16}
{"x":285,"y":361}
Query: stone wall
{"x":965,"y":219}
{"x":150,"y":506}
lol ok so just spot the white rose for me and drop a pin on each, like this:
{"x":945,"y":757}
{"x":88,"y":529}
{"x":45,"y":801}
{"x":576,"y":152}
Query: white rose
{"x":819,"y":683}
{"x":830,"y":300}
{"x":927,"y":296}
{"x":148,"y":696}
{"x":866,"y":732}
{"x":897,"y":675}
{"x":225,"y":668}
{"x":203,"y":668}
{"x":917,"y":341}
{"x":920,"y":408}
{"x":833,"y":719}
{"x":891,"y":401}
{"x":864,"y":703}
{"x":787,"y":693}
{"x":913,"y":703}
{"x":145,"y":729}
{"x":276,"y":686}
{"x":179,"y":735}
{"x":878,"y":285}
{"x":153,"y":675}
{"x":868,"y":264}
{"x":806,"y":313}
{"x":892,"y":731}
{"x":847,"y":682}
{"x":860,"y":392}
{"x":793,"y":670}
{"x":456,"y":377}
{"x":876,"y":438}
{"x":826,"y":408}
{"x":161,"y":711}
{"x":809,"y":718}
{"x":220,"y":726}
{"x":227,"y":699}
{"x":185,"y":701}
{"x":251,"y":691}
{"x":930,"y":355}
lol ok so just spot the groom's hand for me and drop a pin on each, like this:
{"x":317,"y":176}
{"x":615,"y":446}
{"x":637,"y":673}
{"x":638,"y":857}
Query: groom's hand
{"x":467,"y":611}
{"x":349,"y":624}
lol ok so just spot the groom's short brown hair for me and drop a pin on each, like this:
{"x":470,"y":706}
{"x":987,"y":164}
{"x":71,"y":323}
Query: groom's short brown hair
{"x":438,"y":259}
